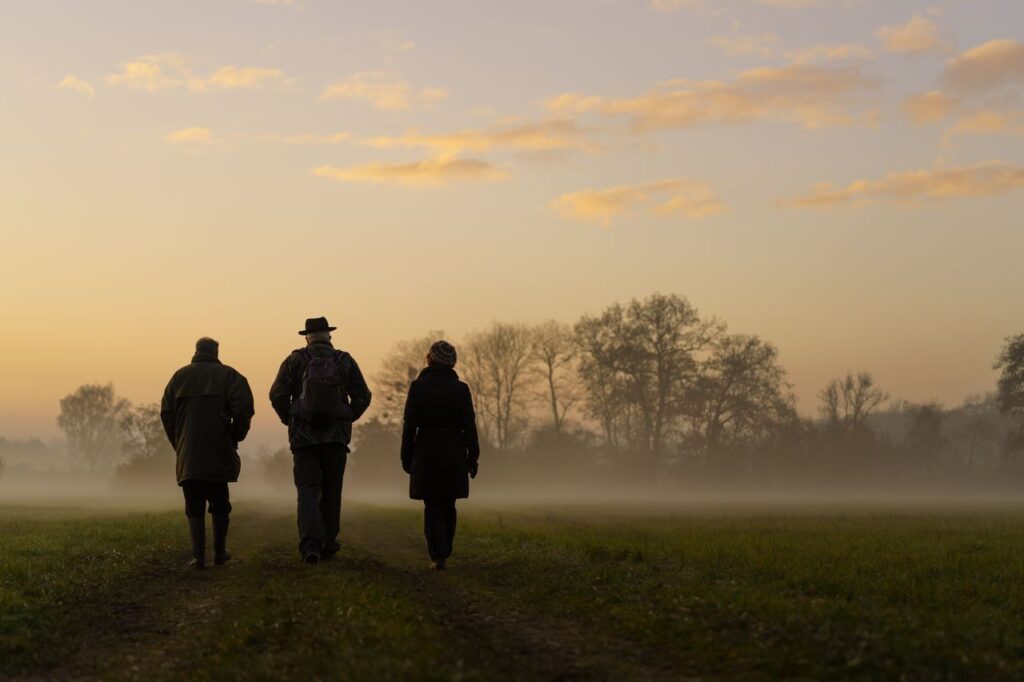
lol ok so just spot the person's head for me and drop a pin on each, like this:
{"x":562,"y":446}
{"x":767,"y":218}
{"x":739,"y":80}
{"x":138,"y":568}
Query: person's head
{"x":318,"y":337}
{"x":207,"y":346}
{"x":441,"y":354}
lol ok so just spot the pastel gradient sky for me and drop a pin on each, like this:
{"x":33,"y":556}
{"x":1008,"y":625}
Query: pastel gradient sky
{"x":842,"y":177}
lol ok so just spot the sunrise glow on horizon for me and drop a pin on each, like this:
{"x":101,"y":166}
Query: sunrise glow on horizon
{"x":840,"y":177}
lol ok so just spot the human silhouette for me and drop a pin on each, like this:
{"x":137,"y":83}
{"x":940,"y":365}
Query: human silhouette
{"x":318,"y":393}
{"x":440,"y":447}
{"x":206,"y":411}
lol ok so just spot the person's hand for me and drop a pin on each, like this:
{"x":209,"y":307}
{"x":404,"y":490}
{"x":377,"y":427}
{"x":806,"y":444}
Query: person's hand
{"x":473,"y":469}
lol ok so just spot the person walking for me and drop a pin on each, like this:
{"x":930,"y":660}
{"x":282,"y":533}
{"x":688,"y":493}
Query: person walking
{"x":318,"y":393}
{"x":206,"y":411}
{"x":440,"y":447}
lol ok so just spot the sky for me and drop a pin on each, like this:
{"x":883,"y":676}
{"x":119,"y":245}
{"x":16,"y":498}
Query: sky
{"x":841,"y":177}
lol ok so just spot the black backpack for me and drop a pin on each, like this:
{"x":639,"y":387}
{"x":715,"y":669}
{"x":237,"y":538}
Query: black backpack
{"x":323,"y":388}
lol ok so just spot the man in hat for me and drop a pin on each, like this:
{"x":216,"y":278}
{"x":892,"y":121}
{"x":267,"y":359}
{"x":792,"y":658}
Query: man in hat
{"x":318,"y":393}
{"x":206,"y":411}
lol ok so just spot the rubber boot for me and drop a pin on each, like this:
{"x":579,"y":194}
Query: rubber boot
{"x":220,"y":536}
{"x":197,"y":529}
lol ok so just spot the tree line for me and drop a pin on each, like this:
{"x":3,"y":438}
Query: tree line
{"x":650,"y":388}
{"x":653,"y":388}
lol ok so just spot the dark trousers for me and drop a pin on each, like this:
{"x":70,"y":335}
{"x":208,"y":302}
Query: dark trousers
{"x":319,"y":472}
{"x":439,"y":526}
{"x":199,"y":493}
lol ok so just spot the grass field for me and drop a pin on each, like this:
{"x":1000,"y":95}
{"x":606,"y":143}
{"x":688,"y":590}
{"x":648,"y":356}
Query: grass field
{"x":561,"y":593}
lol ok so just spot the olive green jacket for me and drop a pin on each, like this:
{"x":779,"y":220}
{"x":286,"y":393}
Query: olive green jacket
{"x":206,"y":411}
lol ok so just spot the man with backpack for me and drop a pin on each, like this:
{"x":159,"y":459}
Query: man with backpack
{"x":318,"y":393}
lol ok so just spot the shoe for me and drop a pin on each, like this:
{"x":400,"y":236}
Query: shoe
{"x":437,"y":565}
{"x":312,"y":558}
{"x":220,"y":533}
{"x":197,"y":532}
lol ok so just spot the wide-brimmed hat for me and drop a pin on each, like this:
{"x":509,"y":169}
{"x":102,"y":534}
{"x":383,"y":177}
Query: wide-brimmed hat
{"x":317,"y":324}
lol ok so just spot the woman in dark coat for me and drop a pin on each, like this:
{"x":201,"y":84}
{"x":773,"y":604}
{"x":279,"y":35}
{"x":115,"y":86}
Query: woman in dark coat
{"x":440,"y":448}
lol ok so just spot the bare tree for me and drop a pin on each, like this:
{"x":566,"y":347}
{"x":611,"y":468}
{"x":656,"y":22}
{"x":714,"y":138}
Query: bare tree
{"x":90,"y":419}
{"x":400,"y":367}
{"x":925,"y":440}
{"x":976,"y":431}
{"x":651,"y":349}
{"x":1010,"y":390}
{"x":742,"y":396}
{"x":1010,"y":387}
{"x":143,"y":433}
{"x":553,"y":349}
{"x":496,"y":364}
{"x":847,"y":402}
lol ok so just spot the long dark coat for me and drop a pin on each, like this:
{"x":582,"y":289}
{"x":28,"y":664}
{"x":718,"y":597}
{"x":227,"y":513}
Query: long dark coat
{"x":439,"y":438}
{"x":206,"y":411}
{"x":287,"y":387}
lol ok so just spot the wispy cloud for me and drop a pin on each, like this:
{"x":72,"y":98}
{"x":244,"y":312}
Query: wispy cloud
{"x":399,"y":45}
{"x":830,"y":53}
{"x":715,"y":6}
{"x":689,"y":198}
{"x":988,"y":122}
{"x":235,"y":77}
{"x":186,"y":135}
{"x":153,"y":73}
{"x":544,"y":136}
{"x":171,"y":71}
{"x":913,"y":187}
{"x":794,"y":4}
{"x":307,"y":139}
{"x":673,"y":5}
{"x":737,"y":45}
{"x":929,"y":107}
{"x":72,"y":82}
{"x":919,"y":34}
{"x":385,"y":91}
{"x":986,"y":67}
{"x":430,"y":172}
{"x":809,"y":95}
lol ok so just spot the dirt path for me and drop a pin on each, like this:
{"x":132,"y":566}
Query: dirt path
{"x":145,"y":626}
{"x":537,"y":648}
{"x":159,"y":621}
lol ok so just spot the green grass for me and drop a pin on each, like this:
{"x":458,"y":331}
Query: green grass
{"x":547,"y":594}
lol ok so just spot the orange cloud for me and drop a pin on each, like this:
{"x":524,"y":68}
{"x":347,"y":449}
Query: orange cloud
{"x":809,"y":95}
{"x":919,"y":34}
{"x":154,"y":73}
{"x":171,"y":71}
{"x":978,"y":180}
{"x":551,"y":135}
{"x":190,"y":135}
{"x":234,"y":77}
{"x":72,"y":82}
{"x":739,"y":45}
{"x":986,"y":67}
{"x":988,"y":122}
{"x":929,"y":107}
{"x":690,"y":198}
{"x":431,"y":172}
{"x":829,"y":53}
{"x":385,"y":91}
